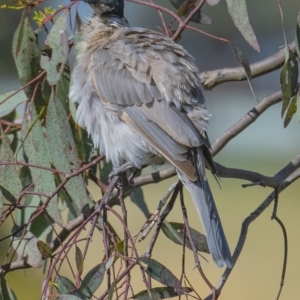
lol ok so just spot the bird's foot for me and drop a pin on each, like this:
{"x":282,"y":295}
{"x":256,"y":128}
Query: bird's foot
{"x":121,"y":172}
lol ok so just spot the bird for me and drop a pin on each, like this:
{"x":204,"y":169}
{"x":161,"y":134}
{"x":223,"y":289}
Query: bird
{"x":140,"y":99}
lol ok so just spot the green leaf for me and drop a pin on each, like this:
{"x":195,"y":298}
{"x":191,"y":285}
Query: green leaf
{"x":41,"y":227}
{"x":238,"y":12}
{"x":185,"y":7}
{"x":289,"y":80}
{"x":44,"y":249}
{"x":212,"y":2}
{"x":27,"y":54}
{"x":62,"y":91}
{"x":7,"y":195}
{"x":92,"y":281}
{"x":105,"y":170}
{"x":111,"y":291}
{"x":298,"y":35}
{"x":1,"y":203}
{"x":241,"y":57}
{"x":161,"y":293}
{"x":160,"y":273}
{"x":79,"y":260}
{"x":7,"y":106}
{"x":290,"y":112}
{"x":57,"y":40}
{"x":36,"y":149}
{"x":65,"y":285}
{"x":68,"y":297}
{"x":9,"y":177}
{"x":25,"y":243}
{"x":137,"y":197}
{"x":298,"y":105}
{"x":175,"y":232}
{"x":5,"y":292}
{"x":114,"y":251}
{"x":63,"y":151}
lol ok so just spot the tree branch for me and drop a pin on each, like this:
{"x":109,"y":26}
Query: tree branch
{"x":210,"y":79}
{"x":245,"y":225}
{"x":245,"y":121}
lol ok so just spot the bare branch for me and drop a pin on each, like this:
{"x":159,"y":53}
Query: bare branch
{"x":210,"y":79}
{"x":245,"y":225}
{"x":245,"y":121}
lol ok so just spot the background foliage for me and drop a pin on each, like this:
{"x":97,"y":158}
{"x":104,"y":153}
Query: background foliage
{"x":47,"y":161}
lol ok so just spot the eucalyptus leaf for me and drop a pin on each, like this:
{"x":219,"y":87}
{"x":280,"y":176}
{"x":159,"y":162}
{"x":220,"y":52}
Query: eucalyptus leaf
{"x":5,"y":292}
{"x":292,"y":109}
{"x":79,"y":260}
{"x":185,"y":7}
{"x":160,"y":273}
{"x":57,"y":40}
{"x":161,"y":293}
{"x":27,"y":54}
{"x":64,"y":285}
{"x":25,"y":244}
{"x":1,"y":203}
{"x":238,"y":12}
{"x":288,"y":80}
{"x":92,"y":281}
{"x":63,"y":151}
{"x":7,"y":106}
{"x":68,"y":297}
{"x":298,"y":35}
{"x":175,"y":232}
{"x":137,"y":197}
{"x":36,"y":149}
{"x":9,"y":177}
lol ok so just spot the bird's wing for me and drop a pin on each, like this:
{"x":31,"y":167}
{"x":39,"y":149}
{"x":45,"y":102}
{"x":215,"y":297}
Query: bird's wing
{"x":124,"y":74}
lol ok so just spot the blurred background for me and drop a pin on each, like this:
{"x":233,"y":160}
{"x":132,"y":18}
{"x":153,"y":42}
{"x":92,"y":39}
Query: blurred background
{"x":264,"y":147}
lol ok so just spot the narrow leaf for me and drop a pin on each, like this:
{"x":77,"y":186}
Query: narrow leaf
{"x":212,"y":2}
{"x":1,"y":203}
{"x":92,"y":281}
{"x":161,"y":293}
{"x":175,"y":232}
{"x":298,"y":35}
{"x":63,"y":151}
{"x":241,"y":57}
{"x":79,"y":260}
{"x":25,"y":243}
{"x":9,"y":178}
{"x":57,"y":40}
{"x":7,"y":106}
{"x":44,"y":249}
{"x":298,"y":105}
{"x":137,"y":197}
{"x":27,"y":54}
{"x":238,"y":12}
{"x":289,"y":80}
{"x":5,"y":292}
{"x":160,"y":273}
{"x":111,"y":291}
{"x":36,"y":149}
{"x":185,"y":7}
{"x":68,"y":297}
{"x":65,"y":285}
{"x":290,"y":112}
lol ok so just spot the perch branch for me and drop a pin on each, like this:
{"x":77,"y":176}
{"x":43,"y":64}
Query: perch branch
{"x":210,"y":79}
{"x":245,"y":225}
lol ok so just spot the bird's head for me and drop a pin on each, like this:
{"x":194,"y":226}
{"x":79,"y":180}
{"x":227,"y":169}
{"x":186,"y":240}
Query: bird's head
{"x":109,"y":8}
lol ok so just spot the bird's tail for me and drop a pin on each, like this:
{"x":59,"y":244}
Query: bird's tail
{"x":207,"y":211}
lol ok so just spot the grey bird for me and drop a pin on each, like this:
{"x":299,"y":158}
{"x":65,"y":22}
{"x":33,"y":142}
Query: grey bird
{"x":139,"y":97}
